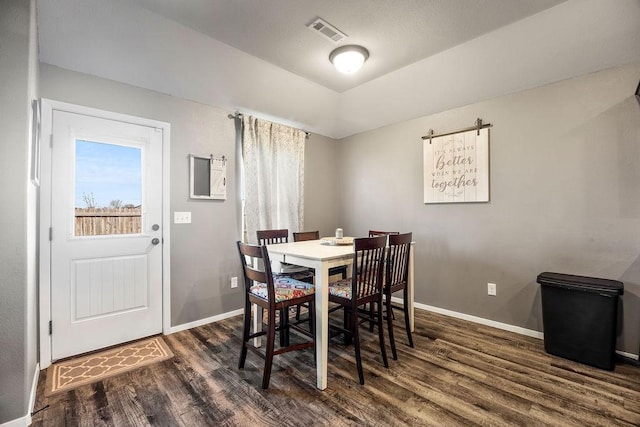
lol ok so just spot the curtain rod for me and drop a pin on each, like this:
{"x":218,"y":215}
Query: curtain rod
{"x":479,"y":125}
{"x":238,"y":115}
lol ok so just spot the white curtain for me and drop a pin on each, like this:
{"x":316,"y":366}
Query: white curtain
{"x":273,"y":163}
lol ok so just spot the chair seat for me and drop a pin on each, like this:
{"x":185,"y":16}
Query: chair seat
{"x":341,"y":288}
{"x":286,"y":288}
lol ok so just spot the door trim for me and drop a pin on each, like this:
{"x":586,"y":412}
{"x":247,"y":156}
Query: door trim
{"x":47,"y":108}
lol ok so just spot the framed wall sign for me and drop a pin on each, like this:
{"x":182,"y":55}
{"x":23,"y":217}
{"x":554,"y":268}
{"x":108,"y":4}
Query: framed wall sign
{"x":456,"y":167}
{"x":208,"y":177}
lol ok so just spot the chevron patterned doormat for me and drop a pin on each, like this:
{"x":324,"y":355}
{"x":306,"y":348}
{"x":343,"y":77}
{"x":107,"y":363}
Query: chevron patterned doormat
{"x":69,"y":374}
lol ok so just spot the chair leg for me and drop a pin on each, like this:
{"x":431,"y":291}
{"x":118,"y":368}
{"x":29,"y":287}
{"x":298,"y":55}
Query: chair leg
{"x":312,"y":318}
{"x":245,"y":333}
{"x":392,"y":341}
{"x":372,"y":320}
{"x":347,"y":325}
{"x":383,"y":347}
{"x":356,"y":344}
{"x":284,"y":327}
{"x":268,"y":360}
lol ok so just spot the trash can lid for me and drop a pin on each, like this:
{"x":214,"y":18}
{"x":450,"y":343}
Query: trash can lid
{"x":581,"y":283}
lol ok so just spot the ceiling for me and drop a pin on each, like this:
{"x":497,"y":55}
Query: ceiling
{"x":257,"y":56}
{"x":396,"y":32}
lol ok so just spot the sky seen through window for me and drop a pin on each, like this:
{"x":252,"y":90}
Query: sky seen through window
{"x":109,"y":172}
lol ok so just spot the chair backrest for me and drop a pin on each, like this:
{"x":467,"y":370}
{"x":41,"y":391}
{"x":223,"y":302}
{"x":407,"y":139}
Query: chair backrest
{"x":269,"y":237}
{"x":375,"y":233}
{"x":258,"y":270}
{"x":397,"y":271}
{"x":368,"y":261}
{"x":301,"y":236}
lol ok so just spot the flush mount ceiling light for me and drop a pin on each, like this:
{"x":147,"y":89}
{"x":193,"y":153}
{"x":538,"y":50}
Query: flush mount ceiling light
{"x":349,"y":59}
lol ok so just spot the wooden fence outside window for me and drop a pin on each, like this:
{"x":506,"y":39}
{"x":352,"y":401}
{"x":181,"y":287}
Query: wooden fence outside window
{"x":104,"y":221}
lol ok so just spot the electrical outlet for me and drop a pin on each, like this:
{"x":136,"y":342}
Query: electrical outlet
{"x":234,"y":282}
{"x":182,"y":217}
{"x":491,"y":289}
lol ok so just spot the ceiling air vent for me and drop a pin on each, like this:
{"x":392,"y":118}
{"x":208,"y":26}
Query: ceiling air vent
{"x":327,"y":30}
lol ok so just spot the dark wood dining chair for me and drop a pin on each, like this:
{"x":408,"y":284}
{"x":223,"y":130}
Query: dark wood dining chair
{"x":274,"y":294}
{"x":370,"y":310}
{"x":365,"y":287}
{"x":301,"y":236}
{"x":269,"y":237}
{"x":396,"y":280}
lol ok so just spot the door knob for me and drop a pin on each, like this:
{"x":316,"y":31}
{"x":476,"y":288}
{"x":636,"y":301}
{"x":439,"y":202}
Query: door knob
{"x":155,"y":241}
{"x":155,"y":227}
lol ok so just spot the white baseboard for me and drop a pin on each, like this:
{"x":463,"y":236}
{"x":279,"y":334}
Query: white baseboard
{"x":26,"y":420}
{"x":482,"y":321}
{"x":494,"y":324}
{"x":32,"y":397}
{"x":201,"y":322}
{"x":628,"y":355}
{"x":18,"y":422}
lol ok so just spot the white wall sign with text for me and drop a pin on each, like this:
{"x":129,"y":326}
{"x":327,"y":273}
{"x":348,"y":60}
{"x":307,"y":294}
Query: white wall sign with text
{"x":456,"y":167}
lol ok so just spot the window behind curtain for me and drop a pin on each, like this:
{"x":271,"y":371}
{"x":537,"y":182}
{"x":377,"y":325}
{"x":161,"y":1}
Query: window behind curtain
{"x":273,"y":177}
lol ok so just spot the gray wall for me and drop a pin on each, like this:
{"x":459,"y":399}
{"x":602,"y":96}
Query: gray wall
{"x":564,"y":172}
{"x":203,"y":253}
{"x":18,"y":71}
{"x":321,"y":185}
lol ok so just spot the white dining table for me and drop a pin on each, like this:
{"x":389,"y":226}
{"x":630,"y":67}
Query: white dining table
{"x":322,"y":257}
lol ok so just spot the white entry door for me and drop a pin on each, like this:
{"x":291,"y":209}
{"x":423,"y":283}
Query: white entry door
{"x":106,"y":236}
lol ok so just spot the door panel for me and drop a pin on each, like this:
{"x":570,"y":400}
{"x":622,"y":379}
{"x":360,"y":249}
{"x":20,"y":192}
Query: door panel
{"x":103,"y":286}
{"x":106,"y":255}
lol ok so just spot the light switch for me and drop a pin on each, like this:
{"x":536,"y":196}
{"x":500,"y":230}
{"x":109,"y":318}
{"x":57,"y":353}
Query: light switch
{"x":182,"y":217}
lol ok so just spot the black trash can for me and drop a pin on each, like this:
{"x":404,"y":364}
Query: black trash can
{"x":579,"y":317}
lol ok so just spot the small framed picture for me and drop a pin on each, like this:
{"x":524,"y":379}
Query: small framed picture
{"x":208,"y":177}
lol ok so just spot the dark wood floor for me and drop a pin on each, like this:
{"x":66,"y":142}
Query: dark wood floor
{"x":458,"y":374}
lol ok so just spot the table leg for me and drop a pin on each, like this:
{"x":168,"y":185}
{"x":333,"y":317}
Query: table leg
{"x":257,"y":323}
{"x":322,"y":324}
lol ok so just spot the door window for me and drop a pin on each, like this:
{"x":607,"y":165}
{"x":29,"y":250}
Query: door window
{"x":108,"y":189}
